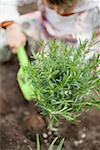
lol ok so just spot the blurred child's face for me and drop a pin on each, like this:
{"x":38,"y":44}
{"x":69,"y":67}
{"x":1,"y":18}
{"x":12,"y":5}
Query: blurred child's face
{"x":62,"y":9}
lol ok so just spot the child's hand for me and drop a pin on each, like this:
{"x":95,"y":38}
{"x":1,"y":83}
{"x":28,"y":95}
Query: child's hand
{"x":15,"y":38}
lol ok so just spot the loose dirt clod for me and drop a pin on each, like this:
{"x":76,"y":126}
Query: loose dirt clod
{"x":35,"y":122}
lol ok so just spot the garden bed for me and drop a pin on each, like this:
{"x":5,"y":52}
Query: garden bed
{"x":21,"y":120}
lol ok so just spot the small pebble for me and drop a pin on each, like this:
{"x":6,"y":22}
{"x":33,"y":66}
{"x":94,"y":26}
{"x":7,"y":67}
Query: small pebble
{"x":18,"y":147}
{"x":83,"y":136}
{"x":26,"y":113}
{"x":45,"y":135}
{"x":45,"y":141}
{"x":50,"y":133}
{"x":76,"y":143}
{"x":80,"y":141}
{"x":25,"y":141}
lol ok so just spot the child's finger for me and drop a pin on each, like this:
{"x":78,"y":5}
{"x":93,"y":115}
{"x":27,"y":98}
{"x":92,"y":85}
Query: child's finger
{"x":14,"y":50}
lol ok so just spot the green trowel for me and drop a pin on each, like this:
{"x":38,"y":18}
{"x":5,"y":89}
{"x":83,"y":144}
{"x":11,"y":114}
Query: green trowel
{"x":24,"y":86}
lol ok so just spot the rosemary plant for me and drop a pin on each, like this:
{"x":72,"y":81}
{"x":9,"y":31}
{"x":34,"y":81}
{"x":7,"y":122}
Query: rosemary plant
{"x":62,"y":78}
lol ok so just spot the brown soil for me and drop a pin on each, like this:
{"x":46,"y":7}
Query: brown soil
{"x":21,"y":120}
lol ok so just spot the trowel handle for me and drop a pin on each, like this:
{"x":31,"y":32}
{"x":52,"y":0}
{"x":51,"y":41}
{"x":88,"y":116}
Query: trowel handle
{"x":22,"y":57}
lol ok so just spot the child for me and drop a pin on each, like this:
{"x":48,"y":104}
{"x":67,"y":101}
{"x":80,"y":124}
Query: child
{"x":67,"y":20}
{"x":8,"y":12}
{"x":10,"y":28}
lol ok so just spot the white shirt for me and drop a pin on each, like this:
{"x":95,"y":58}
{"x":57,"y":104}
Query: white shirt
{"x":84,"y":21}
{"x":8,"y":9}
